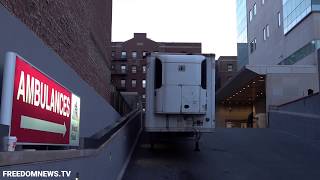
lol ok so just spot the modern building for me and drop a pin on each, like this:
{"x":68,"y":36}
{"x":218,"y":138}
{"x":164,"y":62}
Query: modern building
{"x":226,"y":68}
{"x":129,"y":62}
{"x":282,"y":48}
{"x":242,"y":40}
{"x":283,"y":32}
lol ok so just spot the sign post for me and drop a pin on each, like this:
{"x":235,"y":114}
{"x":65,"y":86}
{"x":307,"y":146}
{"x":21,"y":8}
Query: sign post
{"x":38,"y":109}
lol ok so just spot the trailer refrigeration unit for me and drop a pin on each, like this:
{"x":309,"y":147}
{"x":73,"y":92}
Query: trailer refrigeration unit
{"x":180,"y":94}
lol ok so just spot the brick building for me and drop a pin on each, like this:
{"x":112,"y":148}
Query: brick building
{"x":129,"y":62}
{"x":79,"y":31}
{"x":226,"y":68}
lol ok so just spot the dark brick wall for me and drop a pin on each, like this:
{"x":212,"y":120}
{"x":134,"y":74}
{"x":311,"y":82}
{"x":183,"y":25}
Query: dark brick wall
{"x":191,"y":48}
{"x":222,"y":73}
{"x":79,"y":31}
{"x":140,"y":43}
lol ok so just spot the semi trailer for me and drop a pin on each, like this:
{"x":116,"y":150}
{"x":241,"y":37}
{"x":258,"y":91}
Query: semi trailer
{"x":180,"y":94}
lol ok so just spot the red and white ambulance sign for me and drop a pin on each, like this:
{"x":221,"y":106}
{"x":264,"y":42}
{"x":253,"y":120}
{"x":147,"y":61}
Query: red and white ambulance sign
{"x":43,"y":111}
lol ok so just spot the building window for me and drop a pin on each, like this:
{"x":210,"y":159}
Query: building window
{"x":268,"y":31}
{"x":144,"y":54}
{"x":294,"y":11}
{"x":113,"y":54}
{"x":279,"y":19}
{"x":134,"y":83}
{"x":133,"y":69}
{"x":229,"y":67}
{"x":134,"y":55}
{"x":123,"y":68}
{"x":123,"y":55}
{"x":306,"y":50}
{"x":144,"y":83}
{"x":250,"y":15}
{"x":123,"y":83}
{"x":144,"y":69}
{"x":262,"y":2}
{"x":255,"y":9}
{"x":253,"y":45}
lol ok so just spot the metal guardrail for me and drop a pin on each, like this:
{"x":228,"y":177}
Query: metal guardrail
{"x":102,"y":136}
{"x":119,"y":103}
{"x":119,"y":72}
{"x":90,"y":147}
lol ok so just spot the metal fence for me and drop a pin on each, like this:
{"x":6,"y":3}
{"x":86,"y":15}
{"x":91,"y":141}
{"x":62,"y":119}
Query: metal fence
{"x":119,"y":103}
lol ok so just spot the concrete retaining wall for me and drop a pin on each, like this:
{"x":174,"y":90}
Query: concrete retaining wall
{"x":309,"y":105}
{"x":300,"y":118}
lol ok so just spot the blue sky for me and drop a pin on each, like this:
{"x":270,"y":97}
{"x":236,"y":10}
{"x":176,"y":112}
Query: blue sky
{"x":211,"y":22}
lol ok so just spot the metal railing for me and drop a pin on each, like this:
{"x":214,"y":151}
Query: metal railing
{"x":89,"y":147}
{"x":102,"y":136}
{"x":119,"y":103}
{"x":119,"y":72}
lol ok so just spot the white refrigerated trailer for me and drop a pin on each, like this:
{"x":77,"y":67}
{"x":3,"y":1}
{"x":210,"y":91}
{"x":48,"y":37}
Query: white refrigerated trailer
{"x":180,"y":94}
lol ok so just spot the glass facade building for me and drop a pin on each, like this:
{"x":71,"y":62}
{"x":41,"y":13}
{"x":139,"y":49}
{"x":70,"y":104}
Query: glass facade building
{"x":241,"y":21}
{"x":242,"y":40}
{"x":301,"y":53}
{"x":295,"y":10}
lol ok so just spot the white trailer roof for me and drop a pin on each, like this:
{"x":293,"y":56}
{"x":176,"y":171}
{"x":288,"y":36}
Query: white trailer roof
{"x":178,"y":58}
